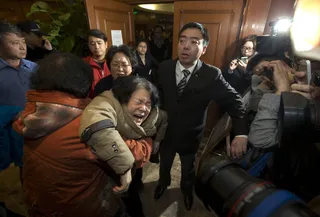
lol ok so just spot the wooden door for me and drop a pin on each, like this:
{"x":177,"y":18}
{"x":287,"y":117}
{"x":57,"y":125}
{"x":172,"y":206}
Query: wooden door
{"x":221,"y":18}
{"x":108,"y":15}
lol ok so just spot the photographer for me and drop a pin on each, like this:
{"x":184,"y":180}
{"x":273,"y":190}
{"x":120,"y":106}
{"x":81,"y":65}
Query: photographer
{"x":293,"y":168}
{"x":264,"y":128}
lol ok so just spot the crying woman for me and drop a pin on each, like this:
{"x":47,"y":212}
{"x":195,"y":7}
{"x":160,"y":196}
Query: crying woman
{"x":127,"y":116}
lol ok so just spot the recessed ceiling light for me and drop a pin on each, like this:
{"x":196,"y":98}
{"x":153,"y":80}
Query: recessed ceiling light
{"x":148,"y":6}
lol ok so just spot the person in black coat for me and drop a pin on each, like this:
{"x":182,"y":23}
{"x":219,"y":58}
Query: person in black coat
{"x":158,"y":45}
{"x":146,"y":62}
{"x":186,"y":88}
{"x":236,"y":74}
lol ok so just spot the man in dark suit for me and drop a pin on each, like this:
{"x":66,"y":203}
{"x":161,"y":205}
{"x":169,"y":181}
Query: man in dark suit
{"x":186,"y":87}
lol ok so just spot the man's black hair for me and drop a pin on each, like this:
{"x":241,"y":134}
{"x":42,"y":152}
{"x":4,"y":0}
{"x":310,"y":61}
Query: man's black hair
{"x":6,"y":27}
{"x":203,"y":30}
{"x":98,"y":34}
{"x":63,"y":72}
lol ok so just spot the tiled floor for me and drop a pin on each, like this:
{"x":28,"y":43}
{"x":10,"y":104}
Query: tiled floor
{"x":171,"y":203}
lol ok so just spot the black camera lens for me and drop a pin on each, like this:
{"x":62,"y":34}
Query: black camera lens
{"x":227,"y":189}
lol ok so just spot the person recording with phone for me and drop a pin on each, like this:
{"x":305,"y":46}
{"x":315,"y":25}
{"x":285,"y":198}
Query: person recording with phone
{"x":37,"y":46}
{"x":236,"y":74}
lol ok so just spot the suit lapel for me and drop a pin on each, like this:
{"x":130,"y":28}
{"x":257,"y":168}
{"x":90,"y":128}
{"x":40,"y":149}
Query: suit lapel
{"x":173,"y":80}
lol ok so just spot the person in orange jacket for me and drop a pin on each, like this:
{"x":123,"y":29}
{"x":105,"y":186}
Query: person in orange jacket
{"x":98,"y":44}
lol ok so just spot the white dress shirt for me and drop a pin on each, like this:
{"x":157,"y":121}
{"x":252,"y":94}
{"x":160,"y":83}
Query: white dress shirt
{"x":179,"y":73}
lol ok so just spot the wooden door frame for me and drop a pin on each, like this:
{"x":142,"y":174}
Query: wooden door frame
{"x":248,"y":13}
{"x":250,"y":7}
{"x":93,"y":22}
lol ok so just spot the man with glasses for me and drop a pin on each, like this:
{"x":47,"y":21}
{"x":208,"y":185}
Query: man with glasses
{"x":37,"y":46}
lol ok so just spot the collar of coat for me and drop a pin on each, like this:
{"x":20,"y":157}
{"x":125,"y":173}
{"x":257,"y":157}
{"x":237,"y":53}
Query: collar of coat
{"x":47,"y":111}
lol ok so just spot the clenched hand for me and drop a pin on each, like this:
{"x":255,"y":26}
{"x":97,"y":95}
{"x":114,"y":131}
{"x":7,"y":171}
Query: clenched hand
{"x":125,"y":181}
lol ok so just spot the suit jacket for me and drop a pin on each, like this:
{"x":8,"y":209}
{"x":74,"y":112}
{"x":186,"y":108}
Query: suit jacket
{"x":186,"y":113}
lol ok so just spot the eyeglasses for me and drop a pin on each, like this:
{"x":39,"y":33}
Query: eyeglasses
{"x":120,"y":65}
{"x":246,"y":48}
{"x":141,"y":46}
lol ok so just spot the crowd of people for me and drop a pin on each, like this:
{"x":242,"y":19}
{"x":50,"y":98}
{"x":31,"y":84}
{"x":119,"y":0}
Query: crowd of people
{"x":81,"y":130}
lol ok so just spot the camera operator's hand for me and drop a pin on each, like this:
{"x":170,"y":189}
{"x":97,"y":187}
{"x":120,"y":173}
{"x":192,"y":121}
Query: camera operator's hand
{"x":238,"y":147}
{"x":47,"y":45}
{"x":301,"y":86}
{"x":260,"y":68}
{"x":233,"y":65}
{"x":281,"y":72}
{"x":308,"y":91}
{"x":125,"y":181}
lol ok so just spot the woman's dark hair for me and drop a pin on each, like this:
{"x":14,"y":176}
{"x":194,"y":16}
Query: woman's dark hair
{"x":63,"y":72}
{"x":253,"y":39}
{"x":126,"y":50}
{"x":98,"y":34}
{"x":142,"y":40}
{"x":123,"y":88}
{"x":203,"y":30}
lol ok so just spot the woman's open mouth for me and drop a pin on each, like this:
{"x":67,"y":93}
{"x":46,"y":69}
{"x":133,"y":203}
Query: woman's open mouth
{"x":138,"y":118}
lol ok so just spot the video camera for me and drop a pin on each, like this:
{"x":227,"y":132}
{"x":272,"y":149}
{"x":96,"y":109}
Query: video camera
{"x":273,"y":45}
{"x":224,"y":186}
{"x":276,"y":46}
{"x":298,"y":115}
{"x":278,"y":42}
{"x":298,"y":119}
{"x":228,"y":190}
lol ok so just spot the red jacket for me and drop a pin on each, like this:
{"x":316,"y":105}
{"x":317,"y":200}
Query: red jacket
{"x":98,"y":72}
{"x":141,"y":150}
{"x":61,"y":175}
